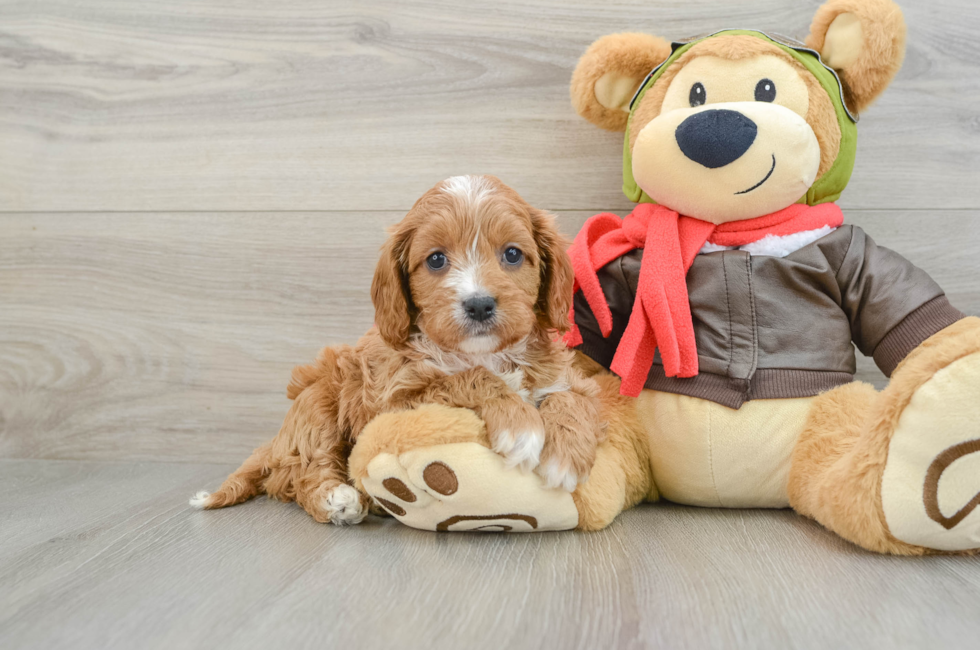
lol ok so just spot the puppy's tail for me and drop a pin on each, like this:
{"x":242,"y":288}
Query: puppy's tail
{"x":303,"y":376}
{"x":242,"y":485}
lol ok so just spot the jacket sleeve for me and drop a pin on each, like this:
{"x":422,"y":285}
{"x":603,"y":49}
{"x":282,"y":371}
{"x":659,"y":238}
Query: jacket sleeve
{"x":618,"y":285}
{"x":892,"y":305}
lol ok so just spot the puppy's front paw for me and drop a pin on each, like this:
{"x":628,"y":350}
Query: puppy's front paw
{"x":559,"y":474}
{"x":570,"y":444}
{"x":520,"y":448}
{"x":516,"y":432}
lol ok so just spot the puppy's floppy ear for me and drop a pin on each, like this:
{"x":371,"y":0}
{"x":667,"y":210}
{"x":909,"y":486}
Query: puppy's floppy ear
{"x":864,"y":41}
{"x":555,"y":292}
{"x":390,"y":293}
{"x":609,"y":73}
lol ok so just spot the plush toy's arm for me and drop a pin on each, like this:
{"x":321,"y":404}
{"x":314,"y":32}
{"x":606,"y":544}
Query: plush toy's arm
{"x":619,"y":297}
{"x":892,"y":305}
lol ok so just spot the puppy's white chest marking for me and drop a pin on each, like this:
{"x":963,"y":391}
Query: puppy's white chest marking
{"x":507,"y":364}
{"x":514,"y":379}
{"x":539,"y":394}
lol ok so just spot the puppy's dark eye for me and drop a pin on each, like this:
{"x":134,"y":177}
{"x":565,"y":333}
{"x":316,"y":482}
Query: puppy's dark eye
{"x":436,"y":261}
{"x":513,"y":256}
{"x":765,"y":91}
{"x":698,"y":97}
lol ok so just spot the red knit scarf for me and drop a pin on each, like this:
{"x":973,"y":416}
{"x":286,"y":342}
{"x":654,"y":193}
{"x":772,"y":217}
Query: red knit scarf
{"x":662,"y":312}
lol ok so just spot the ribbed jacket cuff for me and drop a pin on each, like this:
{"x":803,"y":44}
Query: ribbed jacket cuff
{"x":933,"y":316}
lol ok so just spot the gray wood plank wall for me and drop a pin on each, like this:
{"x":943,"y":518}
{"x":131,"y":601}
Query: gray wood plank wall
{"x":136,"y":336}
{"x":300,"y":105}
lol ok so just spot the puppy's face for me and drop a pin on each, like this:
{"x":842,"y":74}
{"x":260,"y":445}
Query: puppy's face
{"x":472,"y":267}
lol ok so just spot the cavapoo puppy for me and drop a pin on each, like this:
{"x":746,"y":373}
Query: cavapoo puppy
{"x":471,"y":294}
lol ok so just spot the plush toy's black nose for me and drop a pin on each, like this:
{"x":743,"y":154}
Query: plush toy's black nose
{"x":479,"y":308}
{"x":717,"y":137}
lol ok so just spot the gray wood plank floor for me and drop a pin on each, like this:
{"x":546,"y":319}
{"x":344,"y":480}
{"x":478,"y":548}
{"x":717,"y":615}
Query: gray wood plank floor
{"x":192,"y":195}
{"x":107,"y":555}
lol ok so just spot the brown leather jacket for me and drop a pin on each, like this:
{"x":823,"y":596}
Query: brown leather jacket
{"x":771,"y":327}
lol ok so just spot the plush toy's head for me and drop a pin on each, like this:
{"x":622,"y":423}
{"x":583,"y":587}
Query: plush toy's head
{"x":740,"y":124}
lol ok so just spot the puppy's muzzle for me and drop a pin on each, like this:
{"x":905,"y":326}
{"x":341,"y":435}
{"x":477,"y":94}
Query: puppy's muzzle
{"x":480,"y":308}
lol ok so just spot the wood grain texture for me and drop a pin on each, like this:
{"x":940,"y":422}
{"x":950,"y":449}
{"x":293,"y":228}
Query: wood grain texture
{"x":107,"y":555}
{"x":171,"y":336}
{"x":342,"y":105}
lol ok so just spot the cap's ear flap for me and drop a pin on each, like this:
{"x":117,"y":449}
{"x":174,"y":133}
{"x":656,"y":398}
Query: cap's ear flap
{"x":864,"y":41}
{"x":609,"y":73}
{"x":555,"y":292}
{"x":390,"y":293}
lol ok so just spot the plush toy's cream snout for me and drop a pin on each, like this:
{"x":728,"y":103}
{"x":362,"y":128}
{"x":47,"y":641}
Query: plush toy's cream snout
{"x":726,"y":162}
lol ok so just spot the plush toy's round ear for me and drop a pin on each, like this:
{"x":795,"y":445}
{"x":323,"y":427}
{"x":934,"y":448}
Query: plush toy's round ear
{"x":609,"y":73}
{"x":864,"y":41}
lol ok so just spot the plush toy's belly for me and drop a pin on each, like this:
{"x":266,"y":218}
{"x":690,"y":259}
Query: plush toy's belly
{"x":706,"y":454}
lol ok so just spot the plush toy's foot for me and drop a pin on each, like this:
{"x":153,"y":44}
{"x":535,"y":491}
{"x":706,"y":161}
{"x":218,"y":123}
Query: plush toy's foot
{"x":432,"y":469}
{"x":465,"y":486}
{"x":930,"y":488}
{"x":899,"y":471}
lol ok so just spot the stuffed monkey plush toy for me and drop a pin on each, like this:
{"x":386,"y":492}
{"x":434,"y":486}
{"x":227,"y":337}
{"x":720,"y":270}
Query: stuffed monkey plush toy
{"x":727,"y":307}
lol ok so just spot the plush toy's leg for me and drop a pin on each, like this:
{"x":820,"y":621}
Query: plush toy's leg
{"x":899,"y":471}
{"x":433,"y":469}
{"x":621,"y":476}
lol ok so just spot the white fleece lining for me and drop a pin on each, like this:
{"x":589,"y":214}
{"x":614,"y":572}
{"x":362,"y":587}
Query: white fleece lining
{"x":774,"y":245}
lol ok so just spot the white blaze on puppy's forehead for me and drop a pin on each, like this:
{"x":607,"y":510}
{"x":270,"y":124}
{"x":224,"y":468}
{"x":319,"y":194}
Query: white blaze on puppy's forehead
{"x":464,"y":276}
{"x":474,"y":244}
{"x":471,"y":189}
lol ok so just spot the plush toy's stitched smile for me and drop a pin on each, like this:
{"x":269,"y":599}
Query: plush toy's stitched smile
{"x":760,"y":183}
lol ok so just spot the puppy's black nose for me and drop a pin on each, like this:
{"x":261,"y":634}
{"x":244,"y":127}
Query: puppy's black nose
{"x":480,"y":308}
{"x":716,"y":138}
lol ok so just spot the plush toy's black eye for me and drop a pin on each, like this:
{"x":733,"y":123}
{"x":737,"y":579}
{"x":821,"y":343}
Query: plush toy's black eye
{"x":513,"y":256}
{"x":765,"y":91}
{"x":436,"y":261}
{"x":698,"y":96}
